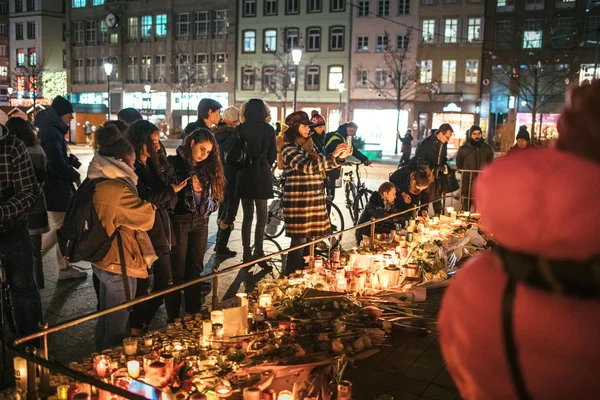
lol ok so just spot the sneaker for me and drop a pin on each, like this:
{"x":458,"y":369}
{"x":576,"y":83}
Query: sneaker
{"x":71,"y":273}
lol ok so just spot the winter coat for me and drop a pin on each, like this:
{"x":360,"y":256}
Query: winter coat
{"x":376,"y":209}
{"x":224,"y":137}
{"x":401,"y":180}
{"x":188,"y":203}
{"x":333,"y":139}
{"x":472,"y":156}
{"x":37,"y":219}
{"x":304,"y":209}
{"x":433,"y":152}
{"x":319,"y":141}
{"x":58,"y":187}
{"x":119,"y":207}
{"x":516,"y":149}
{"x":255,"y":178}
{"x":406,"y":143}
{"x":192,"y":126}
{"x":152,"y":188}
{"x":526,"y":202}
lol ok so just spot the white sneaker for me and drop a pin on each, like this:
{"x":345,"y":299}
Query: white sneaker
{"x":71,"y":273}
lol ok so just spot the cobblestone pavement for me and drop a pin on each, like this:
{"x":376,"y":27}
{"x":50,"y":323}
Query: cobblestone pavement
{"x":409,"y":369}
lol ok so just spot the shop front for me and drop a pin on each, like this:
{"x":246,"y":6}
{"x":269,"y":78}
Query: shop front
{"x":152,"y":106}
{"x":461,"y":116}
{"x":184,"y":106}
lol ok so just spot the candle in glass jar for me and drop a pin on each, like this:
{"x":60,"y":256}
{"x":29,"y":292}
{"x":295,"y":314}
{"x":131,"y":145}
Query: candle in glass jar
{"x":148,"y":340}
{"x":206,"y":328}
{"x":285,"y":395}
{"x":130,"y":346}
{"x":223,"y":390}
{"x":217,"y":317}
{"x":243,"y":299}
{"x":449,"y":210}
{"x":62,"y":392}
{"x":133,"y":369}
{"x":453,"y":215}
{"x":252,"y":393}
{"x":318,"y":263}
{"x":342,"y":284}
{"x":344,"y":390}
{"x":265,"y":300}
{"x":435,"y":220}
{"x":101,"y":365}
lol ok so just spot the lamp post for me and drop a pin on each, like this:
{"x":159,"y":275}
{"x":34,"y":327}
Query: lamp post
{"x":10,"y":91}
{"x":108,"y":68}
{"x":296,"y":57}
{"x":147,"y":90}
{"x":341,"y":87}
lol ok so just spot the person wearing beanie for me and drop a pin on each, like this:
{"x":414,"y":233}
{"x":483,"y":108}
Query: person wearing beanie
{"x":59,"y":187}
{"x":209,"y":114}
{"x":406,"y":147}
{"x":472,"y":155}
{"x":129,"y":115}
{"x":523,"y":141}
{"x":317,"y":130}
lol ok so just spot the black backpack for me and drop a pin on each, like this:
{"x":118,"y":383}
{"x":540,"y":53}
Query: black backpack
{"x":82,"y":237}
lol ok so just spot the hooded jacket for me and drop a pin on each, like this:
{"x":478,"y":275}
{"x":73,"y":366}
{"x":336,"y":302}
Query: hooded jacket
{"x":376,"y":208}
{"x":557,"y":336}
{"x":224,"y":137}
{"x":119,"y":207}
{"x":433,"y":152}
{"x":401,"y":180}
{"x":58,"y":187}
{"x":333,"y":139}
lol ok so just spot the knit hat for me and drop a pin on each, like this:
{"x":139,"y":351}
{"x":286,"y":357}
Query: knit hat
{"x":129,"y":115}
{"x":62,"y":106}
{"x":298,"y":118}
{"x":523,"y":134}
{"x":231,"y":114}
{"x":474,"y":128}
{"x":316,"y":119}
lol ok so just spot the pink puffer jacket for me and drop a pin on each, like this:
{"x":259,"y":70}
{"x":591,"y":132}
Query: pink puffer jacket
{"x":542,"y":202}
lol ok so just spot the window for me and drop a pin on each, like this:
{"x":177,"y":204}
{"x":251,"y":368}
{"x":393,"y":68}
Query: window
{"x":249,"y":8}
{"x":337,"y":5}
{"x":383,"y":8}
{"x":381,"y":76}
{"x":428,"y":30}
{"x":270,"y":40}
{"x":382,"y":44}
{"x":91,"y":71}
{"x":534,"y":4}
{"x":32,"y":56}
{"x":336,"y":38}
{"x":505,"y":5}
{"x":18,"y":5}
{"x":201,"y":24}
{"x":64,"y":59}
{"x":98,"y":2}
{"x":291,"y":39}
{"x":249,"y":42}
{"x":362,"y":78}
{"x":313,"y":36}
{"x":161,"y":25}
{"x":363,"y":8}
{"x":270,"y":7}
{"x":132,"y":69}
{"x":564,"y":31}
{"x":362,"y":43}
{"x":565,"y":3}
{"x":101,"y":73}
{"x":133,"y":28}
{"x":103,"y":32}
{"x":3,"y":30}
{"x":471,"y":71}
{"x":75,"y":3}
{"x":402,"y":42}
{"x":532,"y":34}
{"x":504,"y":34}
{"x":147,"y":27}
{"x":403,"y":7}
{"x":90,"y":32}
{"x":268,"y":79}
{"x":19,"y":31}
{"x":314,"y":6}
{"x":426,"y":75}
{"x":448,"y":71}
{"x":313,"y":78}
{"x":450,"y":30}
{"x":3,"y":71}
{"x":30,"y":5}
{"x":248,"y":75}
{"x":183,"y":26}
{"x":183,"y":68}
{"x":201,"y":68}
{"x":160,"y":64}
{"x":78,"y":71}
{"x":591,"y":29}
{"x":3,"y":50}
{"x":20,"y":84}
{"x":146,"y":69}
{"x":114,"y":38}
{"x":31,"y":30}
{"x":220,"y":23}
{"x":78,"y":32}
{"x":2,"y":8}
{"x":335,"y":76}
{"x":291,"y":6}
{"x":474,"y":30}
{"x":220,"y":68}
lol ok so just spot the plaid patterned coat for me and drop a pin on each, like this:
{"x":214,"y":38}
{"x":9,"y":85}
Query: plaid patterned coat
{"x":304,"y":208}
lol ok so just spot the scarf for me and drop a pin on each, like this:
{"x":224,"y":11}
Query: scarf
{"x":308,"y":146}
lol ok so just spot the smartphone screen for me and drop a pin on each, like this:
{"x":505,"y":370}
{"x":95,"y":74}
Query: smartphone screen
{"x":349,"y":140}
{"x":143,"y":389}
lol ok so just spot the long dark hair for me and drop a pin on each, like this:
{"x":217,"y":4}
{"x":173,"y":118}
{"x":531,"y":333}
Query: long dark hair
{"x":209,"y":171}
{"x":112,"y":144}
{"x":23,"y":130}
{"x":291,"y":134}
{"x":139,"y":134}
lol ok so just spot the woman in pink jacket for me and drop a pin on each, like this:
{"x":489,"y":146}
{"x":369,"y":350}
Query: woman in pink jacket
{"x":522,"y":321}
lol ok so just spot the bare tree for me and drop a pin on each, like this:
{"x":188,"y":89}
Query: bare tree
{"x":31,"y":71}
{"x":396,"y":81}
{"x":187,"y":77}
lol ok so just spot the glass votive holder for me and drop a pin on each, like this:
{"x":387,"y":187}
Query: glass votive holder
{"x":217,"y":317}
{"x":148,"y":340}
{"x":149,"y":359}
{"x":102,"y":365}
{"x":133,"y":368}
{"x":242,"y":299}
{"x":130,"y":346}
{"x":62,"y":392}
{"x":344,"y":390}
{"x":169,"y":361}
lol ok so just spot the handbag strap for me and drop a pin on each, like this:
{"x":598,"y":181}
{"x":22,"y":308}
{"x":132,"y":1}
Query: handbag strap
{"x":126,"y":284}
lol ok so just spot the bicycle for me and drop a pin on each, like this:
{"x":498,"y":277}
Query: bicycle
{"x":275,"y":221}
{"x":357,"y":194}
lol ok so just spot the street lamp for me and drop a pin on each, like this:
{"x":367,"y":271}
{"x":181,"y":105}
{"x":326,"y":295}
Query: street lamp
{"x":108,"y":68}
{"x":341,"y":87}
{"x":296,"y":57}
{"x":147,"y":90}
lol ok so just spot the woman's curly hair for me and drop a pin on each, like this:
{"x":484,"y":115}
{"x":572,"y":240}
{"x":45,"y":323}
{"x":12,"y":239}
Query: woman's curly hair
{"x":210,"y":171}
{"x":139,"y":134}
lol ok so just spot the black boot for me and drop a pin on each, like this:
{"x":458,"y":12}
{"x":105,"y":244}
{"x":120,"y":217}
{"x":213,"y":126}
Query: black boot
{"x":247,"y":257}
{"x":262,"y":264}
{"x":221,"y":245}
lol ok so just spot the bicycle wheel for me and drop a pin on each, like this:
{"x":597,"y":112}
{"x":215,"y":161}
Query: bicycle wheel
{"x":276,"y":263}
{"x":335,"y":217}
{"x":362,"y":199}
{"x":275,"y":224}
{"x":350,"y":200}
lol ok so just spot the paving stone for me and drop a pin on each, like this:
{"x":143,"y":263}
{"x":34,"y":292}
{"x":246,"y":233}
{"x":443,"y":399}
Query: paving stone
{"x":408,"y":385}
{"x":440,"y":393}
{"x":435,"y":364}
{"x":445,"y":380}
{"x":421,"y":374}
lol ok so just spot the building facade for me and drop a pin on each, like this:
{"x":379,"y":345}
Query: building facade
{"x":166,"y":56}
{"x":4,"y":53}
{"x":268,"y":31}
{"x":383,"y":69}
{"x":36,"y":68}
{"x":534,"y":50}
{"x":449,"y":57}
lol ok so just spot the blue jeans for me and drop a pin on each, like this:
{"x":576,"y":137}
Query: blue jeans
{"x":111,"y":328}
{"x":17,"y":258}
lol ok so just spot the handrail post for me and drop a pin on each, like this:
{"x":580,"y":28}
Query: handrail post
{"x":311,"y":253}
{"x":372,"y":233}
{"x":215,"y":289}
{"x":44,"y":373}
{"x":31,"y":378}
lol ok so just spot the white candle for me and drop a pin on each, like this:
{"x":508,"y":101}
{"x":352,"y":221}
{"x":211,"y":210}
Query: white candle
{"x":217,"y":317}
{"x":342,"y":284}
{"x":206,"y":328}
{"x":467,"y":214}
{"x":20,"y":367}
{"x":130,"y":346}
{"x":449,"y":210}
{"x":101,"y":365}
{"x":285,"y":395}
{"x":133,"y":369}
{"x":436,"y":220}
{"x":243,"y":298}
{"x":453,"y":215}
{"x":264,"y":300}
{"x":411,"y":223}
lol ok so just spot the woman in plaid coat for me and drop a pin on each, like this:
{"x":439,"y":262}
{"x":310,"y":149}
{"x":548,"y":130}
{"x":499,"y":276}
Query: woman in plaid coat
{"x":304,"y":208}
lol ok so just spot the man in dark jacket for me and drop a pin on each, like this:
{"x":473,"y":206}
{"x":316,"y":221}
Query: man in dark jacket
{"x":472,"y":156}
{"x":433,"y":150}
{"x":406,"y":147}
{"x":333,"y":139}
{"x":380,"y":204}
{"x":411,"y":182}
{"x":209,"y":114}
{"x":19,"y":192}
{"x":53,"y":123}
